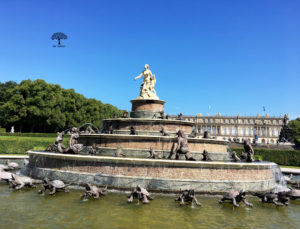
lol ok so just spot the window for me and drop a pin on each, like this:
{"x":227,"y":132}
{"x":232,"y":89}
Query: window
{"x":223,"y":131}
{"x":247,"y":131}
{"x":229,"y":130}
{"x":214,"y":130}
{"x":254,"y":131}
{"x":263,"y":132}
{"x":271,"y":132}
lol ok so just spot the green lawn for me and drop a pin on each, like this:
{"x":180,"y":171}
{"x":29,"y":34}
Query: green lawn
{"x":292,"y":167}
{"x":21,"y":144}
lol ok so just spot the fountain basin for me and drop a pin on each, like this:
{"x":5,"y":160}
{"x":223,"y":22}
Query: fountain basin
{"x":217,"y":148}
{"x":145,"y":125}
{"x":154,"y":174}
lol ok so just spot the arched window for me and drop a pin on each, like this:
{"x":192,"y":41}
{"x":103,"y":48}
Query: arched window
{"x":247,"y":131}
{"x":214,"y":130}
{"x":263,"y":131}
{"x":223,"y":130}
{"x":234,"y":130}
{"x":271,"y":132}
{"x":254,"y":131}
{"x":243,"y":131}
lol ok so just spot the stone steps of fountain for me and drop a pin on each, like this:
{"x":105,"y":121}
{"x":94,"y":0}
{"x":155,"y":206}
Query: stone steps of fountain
{"x":156,"y":142}
{"x":144,"y":153}
{"x":143,"y":132}
{"x":147,"y":124}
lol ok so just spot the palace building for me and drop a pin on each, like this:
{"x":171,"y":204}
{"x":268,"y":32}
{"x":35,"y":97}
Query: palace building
{"x":263,"y":129}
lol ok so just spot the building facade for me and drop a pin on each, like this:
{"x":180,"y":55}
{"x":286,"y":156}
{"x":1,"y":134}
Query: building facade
{"x":259,"y":129}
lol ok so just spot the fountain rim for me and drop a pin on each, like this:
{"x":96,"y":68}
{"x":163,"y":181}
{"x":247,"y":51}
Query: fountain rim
{"x":156,"y":162}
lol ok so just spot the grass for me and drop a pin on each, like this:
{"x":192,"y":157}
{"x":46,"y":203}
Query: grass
{"x":20,"y":144}
{"x":292,"y":167}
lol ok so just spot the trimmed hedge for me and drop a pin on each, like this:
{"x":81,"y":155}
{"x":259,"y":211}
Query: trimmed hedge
{"x":281,"y":157}
{"x":2,"y":130}
{"x":297,"y":141}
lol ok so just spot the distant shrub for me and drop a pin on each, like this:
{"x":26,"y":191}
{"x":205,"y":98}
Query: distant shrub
{"x":297,"y":141}
{"x":281,"y":157}
{"x":2,"y":130}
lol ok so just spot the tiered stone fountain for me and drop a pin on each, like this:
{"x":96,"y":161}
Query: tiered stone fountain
{"x":107,"y":167}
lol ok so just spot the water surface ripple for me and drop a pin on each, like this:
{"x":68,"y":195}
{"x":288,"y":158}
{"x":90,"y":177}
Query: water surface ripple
{"x":27,"y":209}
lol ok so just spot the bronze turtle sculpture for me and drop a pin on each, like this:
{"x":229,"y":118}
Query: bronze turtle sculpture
{"x":93,"y":191}
{"x":5,"y":176}
{"x":139,"y":193}
{"x":12,"y":165}
{"x":53,"y":186}
{"x":3,"y":167}
{"x":279,"y":199}
{"x":188,"y":196}
{"x":293,"y":194}
{"x":235,"y":197}
{"x":294,"y":183}
{"x":18,"y":182}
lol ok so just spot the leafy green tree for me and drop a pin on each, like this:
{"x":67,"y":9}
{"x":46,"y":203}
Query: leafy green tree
{"x":36,"y":106}
{"x":4,"y":87}
{"x":295,"y":126}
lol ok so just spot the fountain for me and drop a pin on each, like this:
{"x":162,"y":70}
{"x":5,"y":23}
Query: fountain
{"x":121,"y":160}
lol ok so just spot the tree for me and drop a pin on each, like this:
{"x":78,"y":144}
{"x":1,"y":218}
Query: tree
{"x":4,"y":87}
{"x":36,"y":106}
{"x":58,"y":36}
{"x":295,"y":126}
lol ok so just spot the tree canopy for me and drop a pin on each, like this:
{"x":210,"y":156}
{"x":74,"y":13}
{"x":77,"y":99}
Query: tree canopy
{"x":36,"y":106}
{"x":295,"y":126}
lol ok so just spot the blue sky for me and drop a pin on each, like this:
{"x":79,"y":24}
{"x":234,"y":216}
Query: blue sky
{"x":235,"y":56}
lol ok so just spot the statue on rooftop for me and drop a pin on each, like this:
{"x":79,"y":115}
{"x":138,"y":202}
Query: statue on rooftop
{"x":147,"y":90}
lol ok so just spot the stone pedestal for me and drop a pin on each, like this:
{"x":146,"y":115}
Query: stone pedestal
{"x":147,"y":108}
